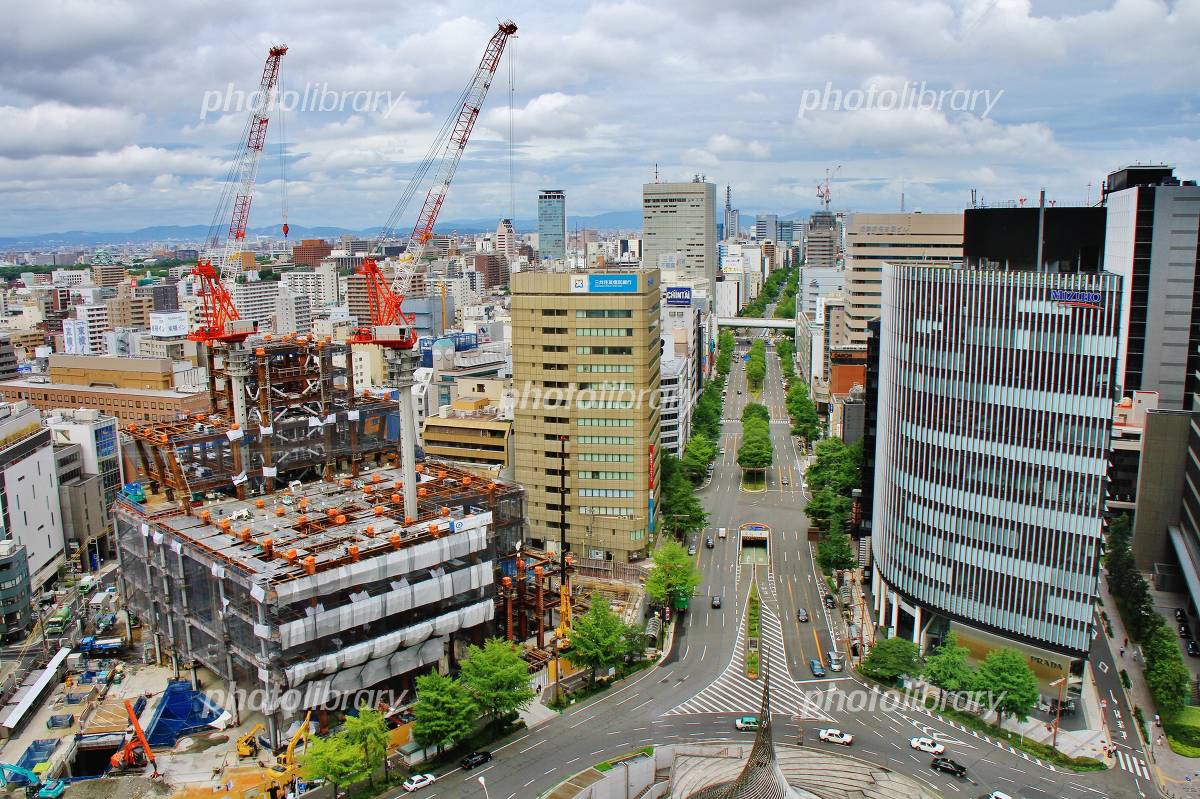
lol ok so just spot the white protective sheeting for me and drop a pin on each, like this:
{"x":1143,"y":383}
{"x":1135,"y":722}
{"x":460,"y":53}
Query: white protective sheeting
{"x":394,"y":653}
{"x":365,"y":609}
{"x":402,"y":561}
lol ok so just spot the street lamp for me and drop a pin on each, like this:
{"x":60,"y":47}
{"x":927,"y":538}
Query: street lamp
{"x":483,"y":782}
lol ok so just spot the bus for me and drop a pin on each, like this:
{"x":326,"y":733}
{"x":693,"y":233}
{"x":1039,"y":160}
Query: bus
{"x":57,"y":623}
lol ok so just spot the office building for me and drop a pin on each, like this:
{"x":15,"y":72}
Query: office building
{"x":821,"y":241}
{"x":733,"y":226}
{"x":108,"y":370}
{"x":679,"y":227}
{"x":255,"y":301}
{"x":319,"y":284}
{"x":29,"y":504}
{"x":16,"y":609}
{"x":994,"y":408}
{"x":310,"y":252}
{"x":97,"y":436}
{"x":787,"y":231}
{"x":128,"y":309}
{"x":108,"y":275}
{"x":293,"y":314}
{"x":471,"y":431}
{"x":766,"y":227}
{"x":552,"y":225}
{"x":127,"y":404}
{"x":84,"y":335}
{"x":8,"y":357}
{"x":164,"y":297}
{"x":586,"y":353}
{"x":507,"y":242}
{"x":1152,"y":231}
{"x":873,"y":240}
{"x":85,"y":521}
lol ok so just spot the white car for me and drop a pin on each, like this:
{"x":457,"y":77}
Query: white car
{"x":418,"y":781}
{"x":927,"y":745}
{"x":998,"y":795}
{"x":832,"y":736}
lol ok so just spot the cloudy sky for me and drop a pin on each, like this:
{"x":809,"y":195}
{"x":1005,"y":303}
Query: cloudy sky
{"x":112,"y":112}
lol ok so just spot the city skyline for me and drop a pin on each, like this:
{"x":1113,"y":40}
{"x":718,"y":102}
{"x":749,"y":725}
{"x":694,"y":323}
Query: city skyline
{"x":134,"y":132}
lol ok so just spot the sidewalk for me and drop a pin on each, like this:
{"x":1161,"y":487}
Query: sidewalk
{"x":1173,"y":768}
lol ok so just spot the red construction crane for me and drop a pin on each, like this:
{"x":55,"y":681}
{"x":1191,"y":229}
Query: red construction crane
{"x":217,"y":305}
{"x":389,"y":325}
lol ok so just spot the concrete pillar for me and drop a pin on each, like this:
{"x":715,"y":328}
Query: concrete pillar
{"x":402,"y":364}
{"x":916,"y":636}
{"x":895,"y":613}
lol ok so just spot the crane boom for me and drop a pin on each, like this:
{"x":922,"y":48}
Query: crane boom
{"x":220,"y":316}
{"x":389,"y":325}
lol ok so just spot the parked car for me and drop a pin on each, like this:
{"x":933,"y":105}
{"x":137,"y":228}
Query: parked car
{"x":948,"y":766}
{"x":746,"y":723}
{"x":832,"y":736}
{"x":816,"y":668}
{"x":1193,"y":649}
{"x":716,"y":602}
{"x":418,"y":781}
{"x":1180,"y":615}
{"x":476,"y":759}
{"x":802,"y":615}
{"x":1184,"y":631}
{"x":691,"y":549}
{"x":927,"y":745}
{"x":830,"y":602}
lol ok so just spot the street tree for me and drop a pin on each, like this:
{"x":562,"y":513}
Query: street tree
{"x":496,"y":678}
{"x":697,"y":455}
{"x":674,"y":573}
{"x":1006,"y":676}
{"x":1166,"y":676}
{"x":368,"y":731}
{"x":891,"y":658}
{"x":633,"y":641}
{"x":824,"y":505}
{"x":755,"y":454}
{"x":598,"y":637}
{"x":756,"y":411}
{"x":444,"y":713}
{"x":835,"y":550}
{"x":947,"y":667}
{"x":336,"y":760}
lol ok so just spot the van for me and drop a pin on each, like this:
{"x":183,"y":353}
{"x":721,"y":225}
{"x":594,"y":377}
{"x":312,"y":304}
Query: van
{"x":816,"y":668}
{"x":721,"y":532}
{"x":835,"y":660}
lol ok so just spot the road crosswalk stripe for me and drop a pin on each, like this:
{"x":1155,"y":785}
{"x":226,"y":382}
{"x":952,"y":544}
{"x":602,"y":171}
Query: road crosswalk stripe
{"x":1133,"y":765}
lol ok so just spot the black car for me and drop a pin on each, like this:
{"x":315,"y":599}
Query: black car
{"x":716,"y":602}
{"x":948,"y":766}
{"x":1193,"y":649}
{"x":1180,"y":615}
{"x":801,"y":615}
{"x":1184,"y":631}
{"x":708,"y":542}
{"x":830,"y":602}
{"x":476,"y":759}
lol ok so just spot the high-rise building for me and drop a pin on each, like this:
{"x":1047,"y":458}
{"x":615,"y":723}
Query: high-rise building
{"x":821,"y":242}
{"x":108,"y":275}
{"x":163,"y":296}
{"x":506,"y":241}
{"x":766,"y":227}
{"x":994,"y":408}
{"x":787,"y":231}
{"x":293,"y":312}
{"x":320,"y":285}
{"x":97,"y":435}
{"x":586,"y":353}
{"x":29,"y":502}
{"x":733,"y":225}
{"x":907,"y":238}
{"x":1153,"y":227}
{"x":84,"y":334}
{"x":255,"y":300}
{"x":552,"y":225}
{"x":310,"y":252}
{"x":678,"y":220}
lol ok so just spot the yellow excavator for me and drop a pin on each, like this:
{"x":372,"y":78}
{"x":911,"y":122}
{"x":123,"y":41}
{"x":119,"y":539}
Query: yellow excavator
{"x":286,"y":767}
{"x":247,"y":745}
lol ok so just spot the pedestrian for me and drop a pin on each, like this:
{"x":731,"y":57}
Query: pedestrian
{"x":1157,"y":720}
{"x":1125,"y":644}
{"x":1122,"y":651}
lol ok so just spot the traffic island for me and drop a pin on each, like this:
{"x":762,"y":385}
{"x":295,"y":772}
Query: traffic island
{"x":753,"y":616}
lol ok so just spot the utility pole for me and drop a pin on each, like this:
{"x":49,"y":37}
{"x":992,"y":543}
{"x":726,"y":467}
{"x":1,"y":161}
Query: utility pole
{"x":562,"y":561}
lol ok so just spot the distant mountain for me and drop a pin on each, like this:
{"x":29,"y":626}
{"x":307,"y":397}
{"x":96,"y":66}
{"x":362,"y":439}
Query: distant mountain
{"x":191,"y":234}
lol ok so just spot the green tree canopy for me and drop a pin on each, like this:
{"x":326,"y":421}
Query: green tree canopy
{"x":756,"y":452}
{"x":697,"y":455}
{"x":755,"y":410}
{"x":1006,"y":676}
{"x":444,"y":713}
{"x":947,"y":667}
{"x":368,"y":731}
{"x":835,"y":551}
{"x":496,"y":678}
{"x":892,"y":658}
{"x":598,"y":637}
{"x":674,"y":573}
{"x":336,"y":760}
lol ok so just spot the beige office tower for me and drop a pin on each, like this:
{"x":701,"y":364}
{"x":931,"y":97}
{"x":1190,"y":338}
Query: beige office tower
{"x":906,"y":239}
{"x":679,"y":226}
{"x":586,"y":367}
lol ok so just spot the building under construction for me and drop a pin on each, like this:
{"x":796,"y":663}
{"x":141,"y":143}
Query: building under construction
{"x":280,"y":553}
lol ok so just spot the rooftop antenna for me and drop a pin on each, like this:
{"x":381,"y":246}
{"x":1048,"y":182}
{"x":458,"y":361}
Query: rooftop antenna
{"x":902,"y":196}
{"x":656,"y":173}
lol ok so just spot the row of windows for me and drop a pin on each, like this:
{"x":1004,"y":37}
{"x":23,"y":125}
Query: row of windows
{"x":604,"y":314}
{"x":603,"y":368}
{"x":615,"y":440}
{"x":606,"y":405}
{"x":604,"y":350}
{"x":612,"y":493}
{"x":606,"y":457}
{"x":606,"y":385}
{"x":603,"y":331}
{"x":588,"y":421}
{"x":604,"y":510}
{"x":605,"y":475}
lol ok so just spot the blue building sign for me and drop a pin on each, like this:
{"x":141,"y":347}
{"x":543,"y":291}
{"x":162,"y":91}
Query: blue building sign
{"x":604,"y":284}
{"x":679,"y":295}
{"x":1077,"y":299}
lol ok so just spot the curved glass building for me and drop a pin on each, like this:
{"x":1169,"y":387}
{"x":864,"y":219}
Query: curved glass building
{"x":995,"y":402}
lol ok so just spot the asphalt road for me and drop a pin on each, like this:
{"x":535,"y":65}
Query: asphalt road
{"x":698,"y":691}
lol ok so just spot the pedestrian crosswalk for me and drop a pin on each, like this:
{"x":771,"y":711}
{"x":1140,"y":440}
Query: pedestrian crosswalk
{"x":1134,"y":765}
{"x":734,"y":692}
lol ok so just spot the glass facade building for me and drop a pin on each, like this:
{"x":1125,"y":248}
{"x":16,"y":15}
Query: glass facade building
{"x":552,"y":225}
{"x":995,"y":396}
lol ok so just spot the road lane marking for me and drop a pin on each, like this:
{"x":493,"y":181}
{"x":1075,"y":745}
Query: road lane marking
{"x":534,"y":746}
{"x":510,"y":743}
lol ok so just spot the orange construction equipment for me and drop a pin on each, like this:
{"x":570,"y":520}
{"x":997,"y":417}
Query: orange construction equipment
{"x":128,"y":755}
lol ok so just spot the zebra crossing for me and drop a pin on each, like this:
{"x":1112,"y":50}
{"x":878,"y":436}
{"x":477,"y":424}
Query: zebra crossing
{"x":1134,"y":765}
{"x":734,"y":692}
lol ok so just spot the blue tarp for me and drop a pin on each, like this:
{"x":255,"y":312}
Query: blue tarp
{"x":180,"y":712}
{"x":38,"y":752}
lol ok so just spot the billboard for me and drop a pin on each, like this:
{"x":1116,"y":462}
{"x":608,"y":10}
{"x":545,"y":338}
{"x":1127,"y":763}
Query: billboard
{"x":604,"y":284}
{"x":679,"y":296}
{"x":168,"y":324}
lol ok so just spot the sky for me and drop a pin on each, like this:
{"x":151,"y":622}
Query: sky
{"x":113,"y":113}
